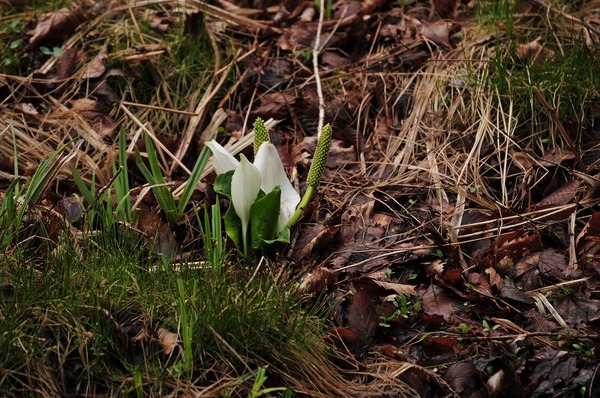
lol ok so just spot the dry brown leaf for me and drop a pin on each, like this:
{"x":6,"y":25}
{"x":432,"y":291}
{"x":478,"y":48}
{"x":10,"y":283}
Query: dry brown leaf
{"x":55,"y":25}
{"x":437,"y":32}
{"x":168,"y":340}
{"x":362,"y":318}
{"x":530,"y":50}
{"x":399,"y":288}
{"x":446,"y":8}
{"x":561,"y":196}
{"x":588,"y":240}
{"x":97,"y":67}
{"x":437,"y":302}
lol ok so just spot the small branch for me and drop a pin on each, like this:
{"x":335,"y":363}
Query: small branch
{"x":316,"y":50}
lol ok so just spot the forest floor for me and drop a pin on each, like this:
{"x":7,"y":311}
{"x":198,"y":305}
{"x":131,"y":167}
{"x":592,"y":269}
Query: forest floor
{"x":452,"y":248}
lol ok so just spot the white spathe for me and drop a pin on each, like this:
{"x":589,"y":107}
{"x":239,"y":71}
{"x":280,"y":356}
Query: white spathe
{"x":271,"y":174}
{"x":245,"y":185}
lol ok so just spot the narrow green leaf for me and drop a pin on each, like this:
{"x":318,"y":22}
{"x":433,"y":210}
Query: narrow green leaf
{"x":193,"y":179}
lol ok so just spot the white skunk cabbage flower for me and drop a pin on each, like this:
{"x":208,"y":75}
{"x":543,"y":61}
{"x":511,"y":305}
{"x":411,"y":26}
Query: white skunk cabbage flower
{"x":265,"y":174}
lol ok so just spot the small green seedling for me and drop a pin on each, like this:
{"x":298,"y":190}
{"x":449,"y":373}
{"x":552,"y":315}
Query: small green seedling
{"x":487,"y":328}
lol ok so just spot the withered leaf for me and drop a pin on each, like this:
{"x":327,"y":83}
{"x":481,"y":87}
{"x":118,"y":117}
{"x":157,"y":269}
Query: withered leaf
{"x":438,"y":32}
{"x":362,"y":318}
{"x":168,"y":340}
{"x":436,"y":302}
{"x":561,"y":196}
{"x":399,"y":288}
{"x":588,"y":240}
{"x":462,"y":376}
{"x":56,"y":25}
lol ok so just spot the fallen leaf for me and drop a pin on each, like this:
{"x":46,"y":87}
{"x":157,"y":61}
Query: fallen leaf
{"x":463,"y":377}
{"x":55,"y":25}
{"x":530,"y":50}
{"x":408,"y":290}
{"x":437,"y":32}
{"x":168,"y":340}
{"x":561,"y":196}
{"x":436,"y":302}
{"x":362,"y":318}
{"x":96,"y":67}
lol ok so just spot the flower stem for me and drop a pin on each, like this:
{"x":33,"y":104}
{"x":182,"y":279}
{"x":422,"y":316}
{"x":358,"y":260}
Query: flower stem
{"x":308,"y":195}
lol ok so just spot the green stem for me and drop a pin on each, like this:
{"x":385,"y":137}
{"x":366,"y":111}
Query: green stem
{"x":308,"y":195}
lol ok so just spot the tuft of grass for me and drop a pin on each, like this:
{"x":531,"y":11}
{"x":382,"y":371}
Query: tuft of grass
{"x":85,"y":320}
{"x":566,"y":71}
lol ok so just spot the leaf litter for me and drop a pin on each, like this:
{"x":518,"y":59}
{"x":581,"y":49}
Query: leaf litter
{"x":436,"y":191}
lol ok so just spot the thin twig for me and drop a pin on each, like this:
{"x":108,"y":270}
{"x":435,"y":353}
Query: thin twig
{"x":316,"y":49}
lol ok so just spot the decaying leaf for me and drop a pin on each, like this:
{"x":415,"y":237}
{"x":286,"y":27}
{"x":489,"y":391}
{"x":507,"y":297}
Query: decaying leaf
{"x":438,"y":32}
{"x":362,"y":318}
{"x":56,"y":25}
{"x":316,"y":281}
{"x":437,"y":303}
{"x":588,"y":240}
{"x":399,"y":288}
{"x":561,"y":196}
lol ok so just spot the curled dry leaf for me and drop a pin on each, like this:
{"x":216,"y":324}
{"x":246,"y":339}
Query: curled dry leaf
{"x":530,"y":50}
{"x":588,"y":240}
{"x":316,"y":281}
{"x":96,"y":67}
{"x":400,"y":288}
{"x":168,"y":340}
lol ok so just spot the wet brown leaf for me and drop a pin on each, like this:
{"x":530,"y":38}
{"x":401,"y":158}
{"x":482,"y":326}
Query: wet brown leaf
{"x":530,"y":50}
